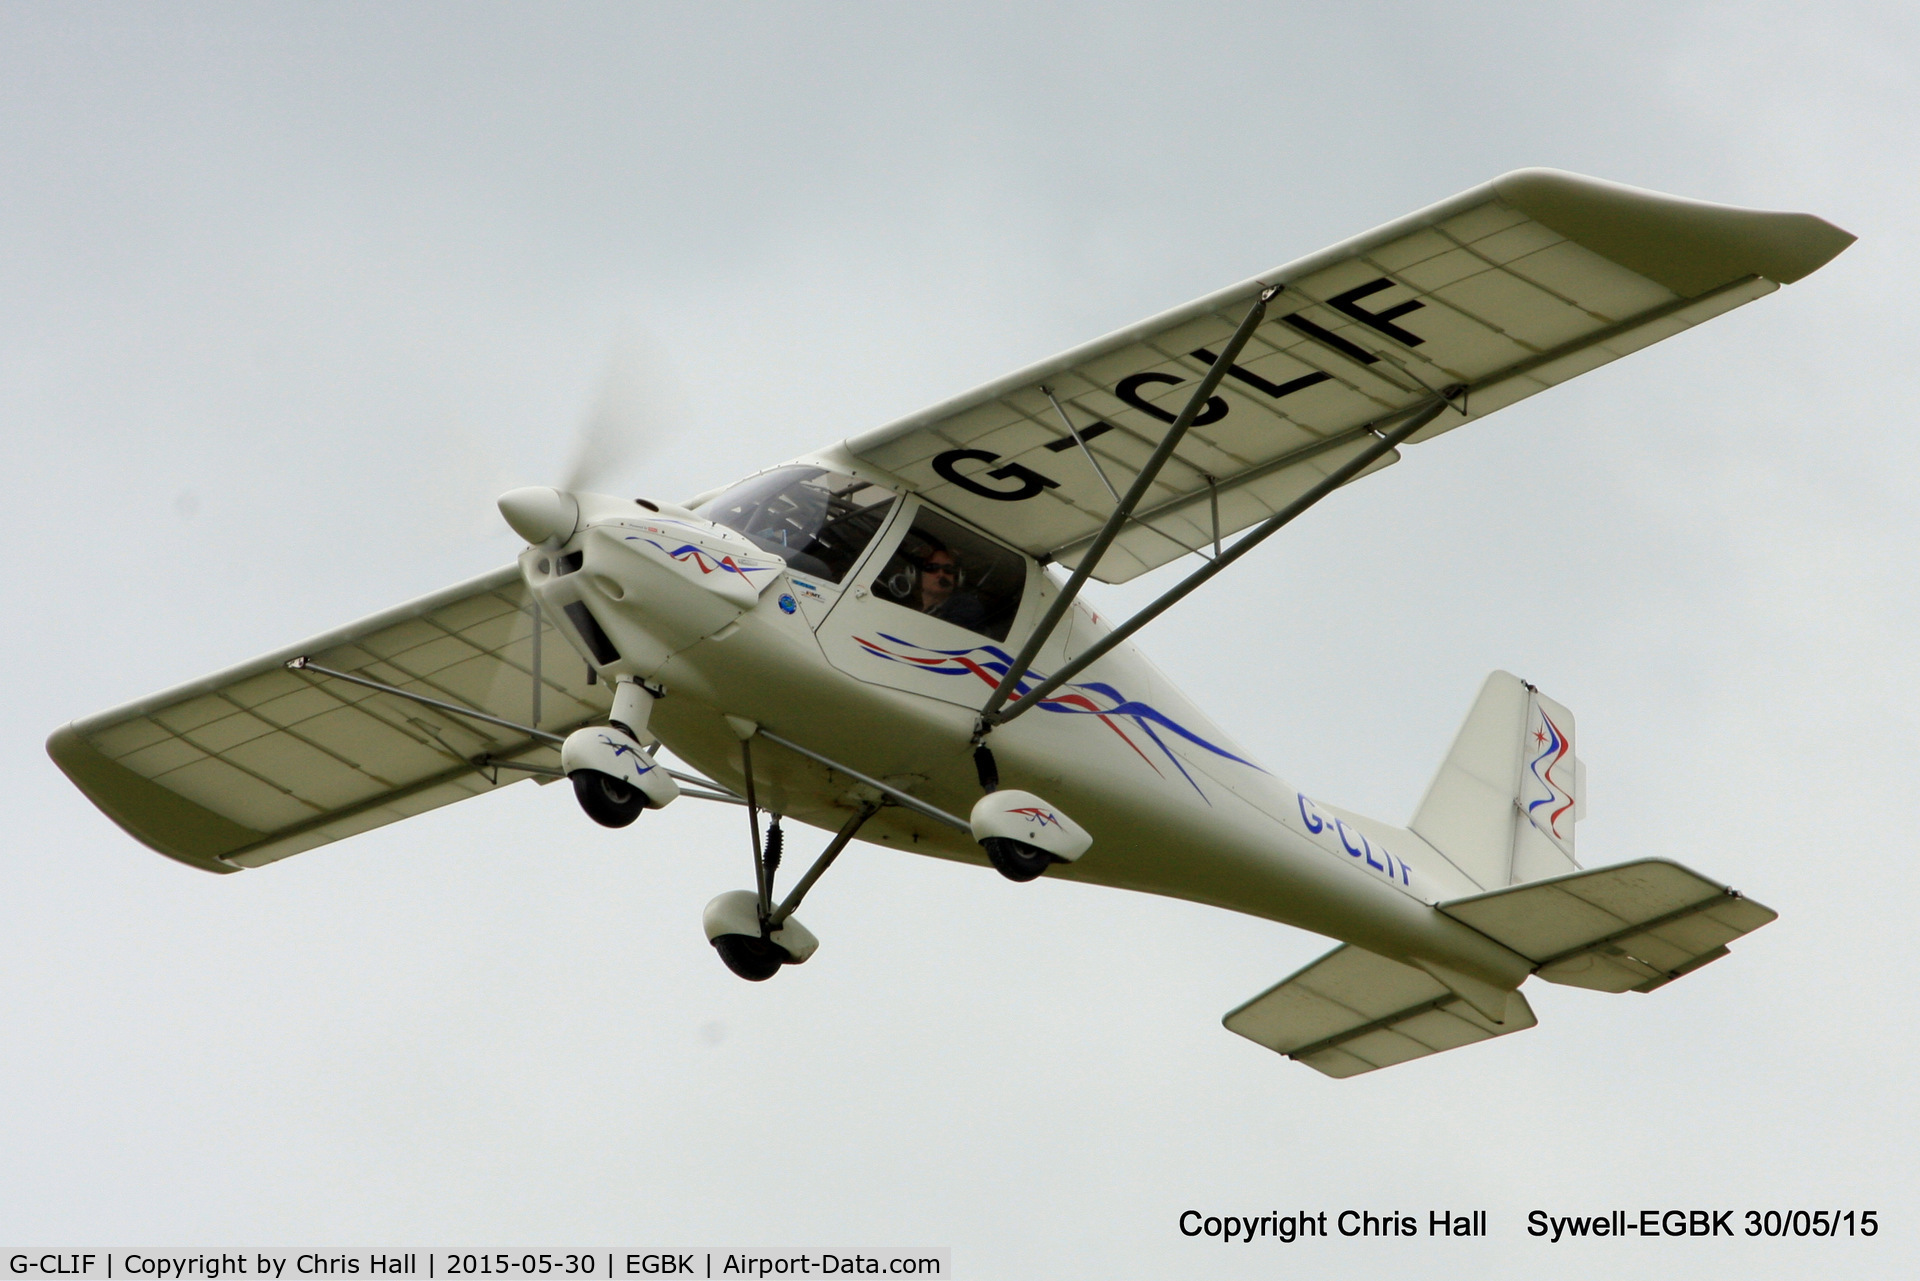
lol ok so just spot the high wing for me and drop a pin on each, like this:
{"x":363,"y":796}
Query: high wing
{"x":1484,"y":299}
{"x":259,"y":762}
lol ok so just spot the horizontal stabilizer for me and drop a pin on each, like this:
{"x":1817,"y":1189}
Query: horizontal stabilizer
{"x":1353,"y":1011}
{"x":1632,"y":927}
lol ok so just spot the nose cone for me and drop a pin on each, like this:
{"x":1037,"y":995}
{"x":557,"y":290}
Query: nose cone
{"x":541,"y":515}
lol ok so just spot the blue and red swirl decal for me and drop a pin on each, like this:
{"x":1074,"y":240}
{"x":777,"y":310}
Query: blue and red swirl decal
{"x":1552,"y":748}
{"x":641,"y":765}
{"x":989,"y":663}
{"x":703,"y":558}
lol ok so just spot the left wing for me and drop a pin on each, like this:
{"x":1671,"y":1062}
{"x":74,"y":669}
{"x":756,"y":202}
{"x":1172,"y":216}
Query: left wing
{"x":259,"y":762}
{"x":1485,"y":299}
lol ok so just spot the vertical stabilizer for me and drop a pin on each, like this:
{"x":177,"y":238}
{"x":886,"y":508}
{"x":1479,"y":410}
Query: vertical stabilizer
{"x":1503,"y":806}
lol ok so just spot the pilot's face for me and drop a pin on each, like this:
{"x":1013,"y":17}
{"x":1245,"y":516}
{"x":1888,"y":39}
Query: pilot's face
{"x":937,"y":577}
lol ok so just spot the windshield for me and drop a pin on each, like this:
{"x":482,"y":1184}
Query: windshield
{"x":817,"y":520}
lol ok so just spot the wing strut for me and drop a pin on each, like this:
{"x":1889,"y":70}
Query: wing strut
{"x":489,"y":762}
{"x":989,"y":714}
{"x":1383,"y":445}
{"x":1101,"y":472}
{"x":1074,"y":432}
{"x":906,"y":800}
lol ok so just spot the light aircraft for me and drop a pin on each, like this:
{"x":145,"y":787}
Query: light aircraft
{"x":869,"y":639}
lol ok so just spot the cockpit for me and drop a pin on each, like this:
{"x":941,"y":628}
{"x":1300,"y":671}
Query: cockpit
{"x":816,"y":520}
{"x":821,"y":522}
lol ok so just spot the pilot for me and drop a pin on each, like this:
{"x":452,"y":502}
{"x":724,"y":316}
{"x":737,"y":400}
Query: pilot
{"x":940,"y":578}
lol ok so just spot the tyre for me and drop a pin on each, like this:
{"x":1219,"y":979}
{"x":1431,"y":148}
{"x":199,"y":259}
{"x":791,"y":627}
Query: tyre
{"x":607,"y":801}
{"x":751,"y":957}
{"x":1016,"y":860}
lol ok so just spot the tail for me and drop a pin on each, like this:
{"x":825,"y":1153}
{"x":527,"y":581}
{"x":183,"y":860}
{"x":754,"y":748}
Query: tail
{"x":1632,"y":927}
{"x":1504,"y":804}
{"x":1502,"y":809}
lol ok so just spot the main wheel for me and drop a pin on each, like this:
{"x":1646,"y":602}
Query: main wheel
{"x":1016,"y":860}
{"x":607,"y":801}
{"x":751,"y":957}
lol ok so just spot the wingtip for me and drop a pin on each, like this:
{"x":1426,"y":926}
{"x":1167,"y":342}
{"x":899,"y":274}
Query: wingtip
{"x":1691,"y":246}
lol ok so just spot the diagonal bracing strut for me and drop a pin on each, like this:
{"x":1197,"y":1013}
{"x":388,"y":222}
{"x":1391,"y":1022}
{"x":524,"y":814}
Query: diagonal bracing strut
{"x":997,"y":710}
{"x":821,"y":864}
{"x":1384,"y":444}
{"x":715,"y":791}
{"x":1090,"y":559}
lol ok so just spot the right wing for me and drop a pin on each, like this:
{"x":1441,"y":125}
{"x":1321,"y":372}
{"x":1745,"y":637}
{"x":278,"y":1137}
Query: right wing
{"x":259,"y":762}
{"x":1498,"y":293}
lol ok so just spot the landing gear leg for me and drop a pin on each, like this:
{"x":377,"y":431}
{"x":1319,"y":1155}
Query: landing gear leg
{"x":753,"y":937}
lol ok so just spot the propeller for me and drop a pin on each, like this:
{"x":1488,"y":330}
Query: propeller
{"x":628,"y":413}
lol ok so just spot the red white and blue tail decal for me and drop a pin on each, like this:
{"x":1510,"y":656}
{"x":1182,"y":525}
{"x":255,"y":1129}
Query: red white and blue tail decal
{"x":1547,"y":784}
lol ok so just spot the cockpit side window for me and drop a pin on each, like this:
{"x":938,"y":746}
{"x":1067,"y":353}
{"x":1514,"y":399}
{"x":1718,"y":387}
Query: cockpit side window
{"x":945,"y":570}
{"x":817,"y":520}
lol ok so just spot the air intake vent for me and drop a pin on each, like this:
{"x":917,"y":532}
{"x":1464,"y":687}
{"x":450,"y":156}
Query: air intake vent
{"x":589,"y":628}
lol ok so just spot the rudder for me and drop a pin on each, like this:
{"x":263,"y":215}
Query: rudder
{"x":1503,"y":805}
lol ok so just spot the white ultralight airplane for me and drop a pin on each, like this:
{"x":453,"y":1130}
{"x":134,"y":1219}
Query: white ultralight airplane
{"x":866,"y":640}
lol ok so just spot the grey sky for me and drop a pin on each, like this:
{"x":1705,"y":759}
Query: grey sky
{"x":289,"y":293}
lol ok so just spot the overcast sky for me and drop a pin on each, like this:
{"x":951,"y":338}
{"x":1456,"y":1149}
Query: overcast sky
{"x":289,"y":293}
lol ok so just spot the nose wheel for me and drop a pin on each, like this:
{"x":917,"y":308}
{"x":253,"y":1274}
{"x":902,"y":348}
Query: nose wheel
{"x":607,"y":801}
{"x":614,"y":776}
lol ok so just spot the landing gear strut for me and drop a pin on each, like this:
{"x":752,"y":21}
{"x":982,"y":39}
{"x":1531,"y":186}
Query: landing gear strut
{"x":754,"y":937}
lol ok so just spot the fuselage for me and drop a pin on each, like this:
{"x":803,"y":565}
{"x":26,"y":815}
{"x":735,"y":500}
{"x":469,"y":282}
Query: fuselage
{"x":850,"y":666}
